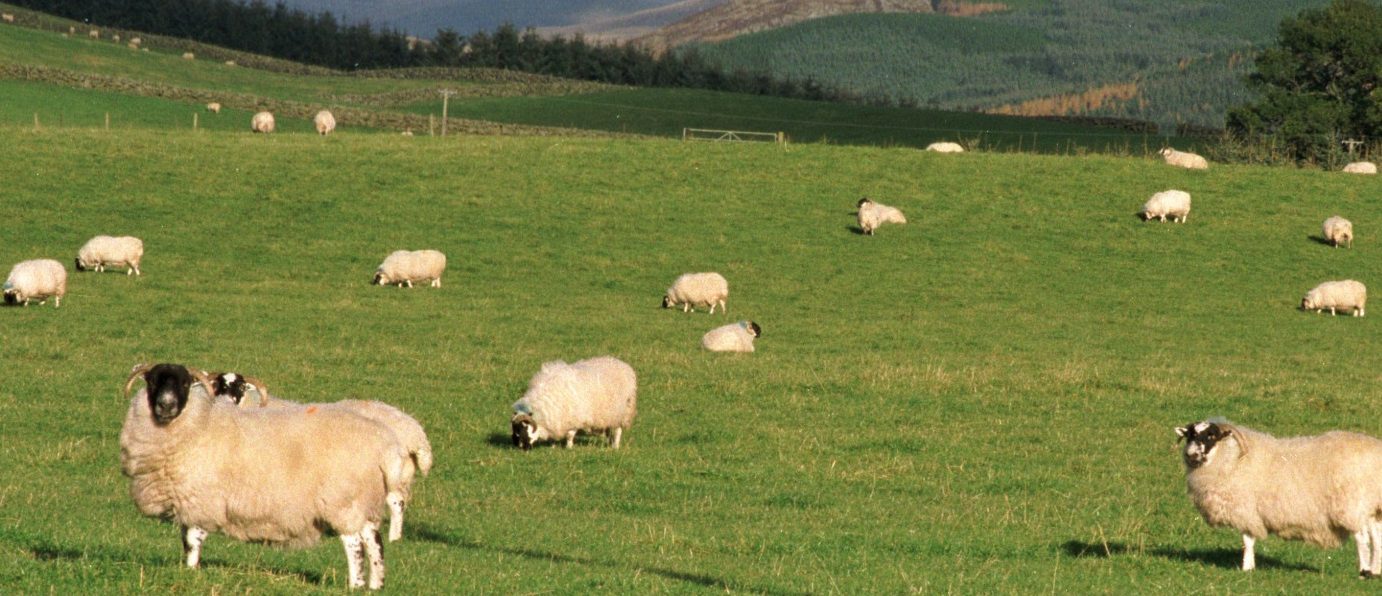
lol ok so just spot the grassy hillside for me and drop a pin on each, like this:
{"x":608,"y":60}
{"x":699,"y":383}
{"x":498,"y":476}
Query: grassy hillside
{"x":979,"y":401}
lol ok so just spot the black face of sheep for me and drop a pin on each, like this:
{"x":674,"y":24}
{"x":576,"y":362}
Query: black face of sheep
{"x":755,"y":329}
{"x":1200,"y":440}
{"x":229,"y":385}
{"x":523,"y":430}
{"x":667,"y":302}
{"x":168,"y":387}
{"x":78,"y":261}
{"x":378,"y":280}
{"x":11,"y":297}
{"x":863,"y":202}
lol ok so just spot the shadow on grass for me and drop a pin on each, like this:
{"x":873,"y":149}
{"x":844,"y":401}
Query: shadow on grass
{"x":858,"y":231}
{"x":1321,"y":240}
{"x":500,"y":440}
{"x":48,"y":552}
{"x":431,"y":534}
{"x":1226,"y":558}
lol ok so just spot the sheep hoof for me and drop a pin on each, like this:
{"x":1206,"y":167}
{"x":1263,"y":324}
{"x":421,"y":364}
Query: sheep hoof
{"x":1365,"y":574}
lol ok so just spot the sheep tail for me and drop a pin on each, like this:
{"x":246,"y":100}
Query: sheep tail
{"x":395,"y":490}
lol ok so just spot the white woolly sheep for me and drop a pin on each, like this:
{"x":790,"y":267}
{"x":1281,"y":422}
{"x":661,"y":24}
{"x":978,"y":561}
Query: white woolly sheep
{"x":1320,"y":489}
{"x":262,"y":122}
{"x":36,"y":280}
{"x":1167,"y":203}
{"x":102,"y":251}
{"x":214,"y":107}
{"x":1184,"y":159}
{"x":280,"y":476}
{"x":945,"y":147}
{"x":8,"y":18}
{"x":324,"y":122}
{"x":1346,"y":295}
{"x":230,"y":63}
{"x":115,"y":38}
{"x":136,"y":41}
{"x":1338,"y":230}
{"x":693,"y":289}
{"x":871,"y":215}
{"x":189,"y":56}
{"x":734,"y":337}
{"x":94,"y":34}
{"x":598,"y":395}
{"x":403,"y":267}
{"x":1361,"y":167}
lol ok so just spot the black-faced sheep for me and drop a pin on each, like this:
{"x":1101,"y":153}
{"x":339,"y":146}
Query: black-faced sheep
{"x":598,"y":395}
{"x":102,"y":251}
{"x":1346,"y":295}
{"x":871,"y":215}
{"x":693,"y":289}
{"x":734,"y":337}
{"x":403,"y":267}
{"x":1184,"y":159}
{"x":36,"y":280}
{"x":1174,"y":204}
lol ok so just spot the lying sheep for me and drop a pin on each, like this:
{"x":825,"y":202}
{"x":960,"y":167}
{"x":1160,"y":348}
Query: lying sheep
{"x":36,"y":280}
{"x":262,"y":122}
{"x":598,"y":395}
{"x":692,"y":289}
{"x":1184,"y":159}
{"x":325,"y":122}
{"x":872,"y":215}
{"x":98,"y":252}
{"x":1320,"y":489}
{"x":230,"y":63}
{"x":1167,"y":203}
{"x":403,"y":267}
{"x":1347,"y":295}
{"x":278,"y":476}
{"x":213,"y":107}
{"x":945,"y":147}
{"x":189,"y":56}
{"x":1361,"y":167}
{"x":94,"y":34}
{"x":735,"y":337}
{"x":1338,"y":230}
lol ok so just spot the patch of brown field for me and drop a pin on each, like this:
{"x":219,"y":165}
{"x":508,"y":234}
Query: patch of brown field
{"x":1073,"y":104}
{"x":968,"y":9}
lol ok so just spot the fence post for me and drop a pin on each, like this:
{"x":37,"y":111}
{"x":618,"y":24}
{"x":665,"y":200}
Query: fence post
{"x":194,"y":121}
{"x":35,"y":121}
{"x":431,"y":126}
{"x":445,"y":103}
{"x":107,"y":120}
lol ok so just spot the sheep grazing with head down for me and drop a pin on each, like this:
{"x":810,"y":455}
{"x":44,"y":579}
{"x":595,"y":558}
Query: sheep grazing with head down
{"x":36,"y":280}
{"x":734,"y":337}
{"x":214,"y":107}
{"x":694,"y":289}
{"x":1321,"y":489}
{"x":324,"y":122}
{"x":403,"y":267}
{"x":598,"y":395}
{"x":1183,"y":159}
{"x":281,"y":476}
{"x":1338,"y":230}
{"x":872,"y":215}
{"x":262,"y":122}
{"x":1346,"y":295}
{"x":1361,"y":167}
{"x":945,"y":147}
{"x":1174,"y":204}
{"x":102,"y":251}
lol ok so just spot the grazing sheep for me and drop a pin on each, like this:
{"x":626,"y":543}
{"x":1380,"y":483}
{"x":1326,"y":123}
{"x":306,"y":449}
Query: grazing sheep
{"x":36,"y":280}
{"x":115,"y":38}
{"x":98,"y":252}
{"x":262,"y":122}
{"x":403,"y":267}
{"x":1346,"y":295}
{"x":230,"y":63}
{"x":1338,"y":231}
{"x":1361,"y":167}
{"x":8,"y":18}
{"x":945,"y":147}
{"x":325,"y":122}
{"x":598,"y":395}
{"x":408,"y":133}
{"x":189,"y":56}
{"x":280,"y":476}
{"x":1184,"y":159}
{"x":214,"y":107}
{"x":734,"y":337}
{"x":872,"y":215}
{"x":692,"y":289}
{"x":1320,"y":489}
{"x":1167,"y":203}
{"x":136,"y":41}
{"x":94,"y":34}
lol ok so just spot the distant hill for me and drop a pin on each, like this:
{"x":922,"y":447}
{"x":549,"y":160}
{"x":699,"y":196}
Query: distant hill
{"x":640,"y":24}
{"x":424,"y":17}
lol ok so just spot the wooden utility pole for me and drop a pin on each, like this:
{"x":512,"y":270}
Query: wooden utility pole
{"x":445,"y":102}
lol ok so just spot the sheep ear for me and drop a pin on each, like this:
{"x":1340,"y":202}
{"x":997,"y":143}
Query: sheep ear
{"x":1181,"y":431}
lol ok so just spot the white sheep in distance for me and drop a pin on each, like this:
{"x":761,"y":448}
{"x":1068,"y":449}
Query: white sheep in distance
{"x":1338,"y":230}
{"x":945,"y":147}
{"x":693,"y":289}
{"x":324,"y":122}
{"x":214,"y":107}
{"x":1167,"y":203}
{"x":189,"y":56}
{"x":1346,"y":295}
{"x":9,"y":18}
{"x":734,"y":337}
{"x":403,"y":267}
{"x":280,"y":476}
{"x":1320,"y":489}
{"x":262,"y":122}
{"x":597,"y":395}
{"x":102,"y":251}
{"x":36,"y":280}
{"x":1184,"y":159}
{"x":871,"y":215}
{"x":1361,"y":167}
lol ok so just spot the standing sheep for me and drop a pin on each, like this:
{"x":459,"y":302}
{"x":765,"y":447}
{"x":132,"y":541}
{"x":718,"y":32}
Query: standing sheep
{"x":100,"y":251}
{"x":945,"y":147}
{"x":325,"y":122}
{"x":1167,"y":203}
{"x":872,"y":215}
{"x":692,"y":289}
{"x":1184,"y":159}
{"x":734,"y":337}
{"x":36,"y":280}
{"x":407,"y":266}
{"x":598,"y":395}
{"x":1338,"y":230}
{"x":277,"y":476}
{"x":189,"y":56}
{"x":262,"y":122}
{"x":1320,"y":489}
{"x":1361,"y":167}
{"x":1347,"y":295}
{"x":214,"y":107}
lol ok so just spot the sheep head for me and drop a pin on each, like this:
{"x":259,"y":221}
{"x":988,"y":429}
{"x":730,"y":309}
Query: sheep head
{"x":1200,"y":440}
{"x":668,"y":302}
{"x":233,"y":386}
{"x":525,"y":431}
{"x":80,"y":266}
{"x":13,"y":296}
{"x":168,"y":387}
{"x":863,"y":201}
{"x":754,"y":329}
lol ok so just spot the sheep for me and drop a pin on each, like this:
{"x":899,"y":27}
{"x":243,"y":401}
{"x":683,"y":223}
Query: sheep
{"x":214,"y":107}
{"x":325,"y":122}
{"x":735,"y":337}
{"x":189,"y":56}
{"x":230,"y":63}
{"x":8,"y":18}
{"x":36,"y":279}
{"x":137,"y":40}
{"x":945,"y":147}
{"x":233,"y":387}
{"x":94,"y":34}
{"x":1338,"y":231}
{"x":403,"y":267}
{"x":1361,"y":167}
{"x":277,"y":476}
{"x":125,"y":251}
{"x":1318,"y":488}
{"x":872,"y":215}
{"x":115,"y":38}
{"x":598,"y":395}
{"x":1184,"y":159}
{"x":262,"y":122}
{"x":692,"y":289}
{"x":1167,"y":203}
{"x":1347,"y":295}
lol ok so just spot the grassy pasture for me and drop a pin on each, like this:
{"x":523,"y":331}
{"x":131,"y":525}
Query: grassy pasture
{"x":979,"y":401}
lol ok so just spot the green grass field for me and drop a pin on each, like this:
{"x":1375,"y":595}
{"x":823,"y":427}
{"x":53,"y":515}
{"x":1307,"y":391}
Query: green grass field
{"x":979,"y":401}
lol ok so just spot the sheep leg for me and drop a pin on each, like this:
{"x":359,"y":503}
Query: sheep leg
{"x":615,"y":435}
{"x":436,"y":283}
{"x":1375,"y":532}
{"x":1363,"y":540}
{"x":395,"y":501}
{"x":57,"y":301}
{"x":1249,"y":557}
{"x":374,"y":550}
{"x":712,"y":308}
{"x":192,"y":538}
{"x":570,"y":438}
{"x":685,"y":306}
{"x":354,"y":558}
